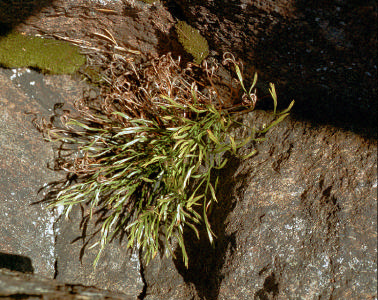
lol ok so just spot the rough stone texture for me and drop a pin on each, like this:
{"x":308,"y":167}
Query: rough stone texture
{"x":305,"y":226}
{"x":134,"y":25}
{"x":117,"y":269}
{"x":16,"y":285}
{"x":31,"y":239}
{"x":320,"y":53}
{"x":297,"y":221}
{"x":164,"y":282}
{"x":26,"y":228}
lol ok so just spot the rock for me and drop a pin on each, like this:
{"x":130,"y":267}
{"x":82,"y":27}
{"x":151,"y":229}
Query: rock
{"x":322,"y":54}
{"x":296,"y":221}
{"x":32,"y":238}
{"x":135,"y":26}
{"x":27,"y":228}
{"x":117,"y":270}
{"x":163,"y":281}
{"x":16,"y":285}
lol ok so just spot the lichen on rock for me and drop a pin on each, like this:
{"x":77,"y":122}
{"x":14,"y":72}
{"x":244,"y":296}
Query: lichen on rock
{"x":192,"y":41}
{"x":47,"y":55}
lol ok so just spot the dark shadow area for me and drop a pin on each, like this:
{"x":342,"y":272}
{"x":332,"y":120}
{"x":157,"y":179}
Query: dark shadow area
{"x":175,"y":9}
{"x":16,"y":262}
{"x":207,"y":261}
{"x":168,"y":43}
{"x":14,"y":12}
{"x":322,"y":54}
{"x":325,"y":59}
{"x":270,"y":289}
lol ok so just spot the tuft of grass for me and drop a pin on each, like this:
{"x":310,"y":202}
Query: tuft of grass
{"x":48,"y":55}
{"x":147,"y":151}
{"x":192,"y":41}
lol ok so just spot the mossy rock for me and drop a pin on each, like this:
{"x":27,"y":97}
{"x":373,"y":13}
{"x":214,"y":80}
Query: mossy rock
{"x":192,"y":41}
{"x":47,"y":55}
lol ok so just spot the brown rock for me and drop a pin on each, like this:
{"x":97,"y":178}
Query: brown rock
{"x":16,"y":285}
{"x":298,"y":220}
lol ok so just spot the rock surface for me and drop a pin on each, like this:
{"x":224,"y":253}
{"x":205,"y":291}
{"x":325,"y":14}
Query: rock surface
{"x":27,"y":228}
{"x":32,"y":238}
{"x":299,"y":219}
{"x":117,"y":269}
{"x":320,"y":53}
{"x":16,"y":285}
{"x":296,"y":221}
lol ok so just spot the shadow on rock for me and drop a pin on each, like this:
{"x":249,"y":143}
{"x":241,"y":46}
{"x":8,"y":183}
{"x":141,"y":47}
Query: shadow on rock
{"x":16,"y":262}
{"x":206,"y":260}
{"x":325,"y":59}
{"x":14,"y":12}
{"x":322,"y":54}
{"x":270,"y":287}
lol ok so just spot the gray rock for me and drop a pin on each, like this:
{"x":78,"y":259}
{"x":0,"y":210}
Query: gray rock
{"x":297,"y":221}
{"x":27,"y":228}
{"x":31,"y":238}
{"x":118,"y":268}
{"x":305,"y":223}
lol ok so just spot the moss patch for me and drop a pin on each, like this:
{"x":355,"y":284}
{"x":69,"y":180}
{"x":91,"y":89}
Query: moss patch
{"x":49,"y":56}
{"x":149,"y":1}
{"x":192,"y":41}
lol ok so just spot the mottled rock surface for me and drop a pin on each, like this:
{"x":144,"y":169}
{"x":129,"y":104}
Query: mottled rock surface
{"x":117,"y":270}
{"x":31,"y":238}
{"x":16,"y":285}
{"x":297,"y":221}
{"x":134,"y":25}
{"x":28,"y":229}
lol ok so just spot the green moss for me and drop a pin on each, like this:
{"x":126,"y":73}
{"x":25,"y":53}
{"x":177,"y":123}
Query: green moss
{"x":192,"y":41}
{"x":149,"y":1}
{"x":47,"y":55}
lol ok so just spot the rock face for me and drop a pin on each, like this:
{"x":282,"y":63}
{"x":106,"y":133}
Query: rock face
{"x":27,"y":229}
{"x":320,"y":53}
{"x":297,"y":221}
{"x":16,"y":285}
{"x":117,"y":269}
{"x":31,"y":237}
